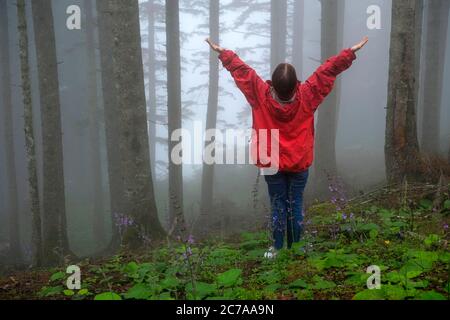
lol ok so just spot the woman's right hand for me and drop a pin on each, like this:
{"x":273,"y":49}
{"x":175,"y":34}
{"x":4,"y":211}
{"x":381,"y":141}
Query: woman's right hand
{"x":214,"y":46}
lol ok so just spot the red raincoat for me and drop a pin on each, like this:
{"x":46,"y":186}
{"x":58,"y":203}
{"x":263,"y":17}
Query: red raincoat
{"x":295,"y":121}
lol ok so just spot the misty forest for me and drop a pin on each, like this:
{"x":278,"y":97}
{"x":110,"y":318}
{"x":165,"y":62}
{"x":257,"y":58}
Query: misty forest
{"x":92,"y":90}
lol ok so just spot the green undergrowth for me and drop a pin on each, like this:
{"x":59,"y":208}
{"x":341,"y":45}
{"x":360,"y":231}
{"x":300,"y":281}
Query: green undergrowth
{"x":409,"y":245}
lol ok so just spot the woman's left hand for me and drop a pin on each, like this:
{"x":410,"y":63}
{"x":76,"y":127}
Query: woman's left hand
{"x":360,"y":45}
{"x":214,"y":46}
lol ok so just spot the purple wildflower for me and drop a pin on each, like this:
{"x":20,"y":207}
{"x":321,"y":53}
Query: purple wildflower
{"x":191,"y":240}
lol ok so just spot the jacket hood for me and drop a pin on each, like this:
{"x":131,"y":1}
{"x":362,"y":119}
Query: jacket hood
{"x":283,"y":112}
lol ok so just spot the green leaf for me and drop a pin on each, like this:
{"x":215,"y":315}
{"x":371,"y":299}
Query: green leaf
{"x":447,"y":205}
{"x":386,"y":214}
{"x":317,"y":262}
{"x":417,"y":284}
{"x":426,"y":204}
{"x":51,"y":291}
{"x":322,"y":284}
{"x":422,"y":259}
{"x":399,"y":224}
{"x":369,"y":295}
{"x":230,"y":278}
{"x":431,"y":295}
{"x":256,"y":255}
{"x":83,"y":292}
{"x":202,"y":290}
{"x":431,"y":240}
{"x":304,"y":295}
{"x":165,"y":296}
{"x":253,"y":244}
{"x":373,"y":234}
{"x":246,"y":236}
{"x":68,"y":293}
{"x":394,"y":277}
{"x":223,"y":256}
{"x":107,"y":296}
{"x":299,"y":247}
{"x":139,"y":292}
{"x":170,"y":283}
{"x":131,"y":268}
{"x":392,"y":292}
{"x":270,"y":277}
{"x":410,"y":271}
{"x":357,"y":279}
{"x":333,"y":262}
{"x":57,"y":276}
{"x":299,"y":283}
{"x":272,"y":288}
{"x":444,"y":257}
{"x":368,"y":227}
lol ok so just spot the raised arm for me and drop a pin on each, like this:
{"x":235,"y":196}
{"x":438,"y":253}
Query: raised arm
{"x":321,"y":83}
{"x":247,"y":80}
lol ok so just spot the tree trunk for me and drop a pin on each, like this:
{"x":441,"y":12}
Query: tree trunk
{"x":418,"y":57}
{"x":297,"y":46}
{"x":152,"y":101}
{"x":176,"y":216}
{"x":211,"y":117}
{"x":36,"y":237}
{"x":278,"y":32}
{"x":97,"y":190}
{"x":332,"y":32}
{"x":55,"y":241}
{"x":14,"y":230}
{"x":115,"y":172}
{"x":139,"y":204}
{"x":435,"y":47}
{"x":402,"y":149}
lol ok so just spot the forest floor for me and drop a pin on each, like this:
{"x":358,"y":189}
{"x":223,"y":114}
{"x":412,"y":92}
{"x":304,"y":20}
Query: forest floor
{"x":404,"y":231}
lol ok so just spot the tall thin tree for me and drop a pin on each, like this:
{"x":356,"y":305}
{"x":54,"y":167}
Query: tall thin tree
{"x":94,"y":120}
{"x":151,"y":69}
{"x":36,"y":237}
{"x":211,"y":115}
{"x":176,"y":216}
{"x":278,"y":36}
{"x":128,"y":74}
{"x":14,"y":230}
{"x":331,"y":43}
{"x":434,"y":60}
{"x":419,"y":32}
{"x":297,"y":41}
{"x":115,"y":172}
{"x":55,"y":240}
{"x":402,"y":147}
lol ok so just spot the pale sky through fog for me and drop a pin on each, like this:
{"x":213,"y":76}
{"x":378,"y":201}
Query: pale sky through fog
{"x":362,"y":102}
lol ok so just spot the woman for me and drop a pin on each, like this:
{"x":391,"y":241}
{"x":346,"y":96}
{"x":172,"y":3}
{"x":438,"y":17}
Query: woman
{"x":287,"y":105}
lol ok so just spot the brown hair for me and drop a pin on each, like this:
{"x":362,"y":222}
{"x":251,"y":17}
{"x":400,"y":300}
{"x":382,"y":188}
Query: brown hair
{"x":284,"y":81}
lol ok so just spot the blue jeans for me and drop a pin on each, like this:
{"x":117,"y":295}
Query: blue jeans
{"x":286,"y":197}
